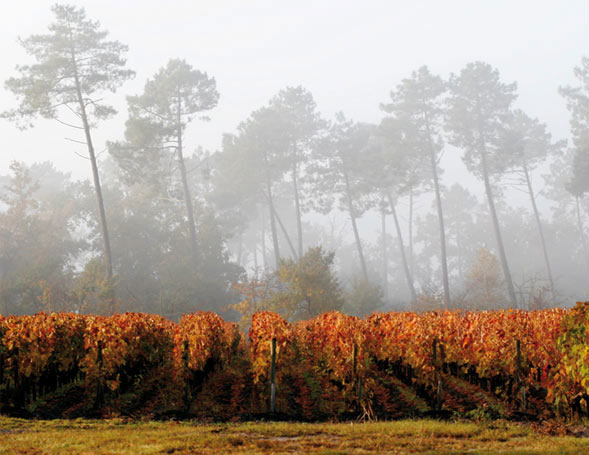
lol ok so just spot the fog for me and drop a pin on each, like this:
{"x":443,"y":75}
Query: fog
{"x":427,"y":155}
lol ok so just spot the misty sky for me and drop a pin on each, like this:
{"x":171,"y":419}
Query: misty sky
{"x":348,"y":54}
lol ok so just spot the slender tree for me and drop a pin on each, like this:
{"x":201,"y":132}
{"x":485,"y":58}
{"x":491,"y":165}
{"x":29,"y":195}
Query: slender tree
{"x":337,"y":174}
{"x":465,"y":230}
{"x":170,"y":101}
{"x":74,"y":63}
{"x":577,"y":186}
{"x":577,"y":99}
{"x":390,"y":168}
{"x":419,"y":100}
{"x":581,"y":231}
{"x":251,"y":165}
{"x":408,"y":275}
{"x":383,"y":249}
{"x":301,"y":125}
{"x":479,"y":109}
{"x":529,"y":144}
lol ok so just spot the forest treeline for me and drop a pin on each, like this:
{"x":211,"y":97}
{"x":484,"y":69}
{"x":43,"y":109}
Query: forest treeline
{"x":272,"y":219}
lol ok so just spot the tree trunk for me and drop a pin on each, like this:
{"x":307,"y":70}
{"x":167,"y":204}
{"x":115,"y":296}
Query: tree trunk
{"x":402,"y":251}
{"x":297,"y":201}
{"x":355,"y":227}
{"x":411,"y":259}
{"x":95,"y":176}
{"x":444,"y":256}
{"x":489,"y":193}
{"x":272,"y":214}
{"x":273,"y":226}
{"x":541,"y":232}
{"x":502,"y":256}
{"x":186,"y":189}
{"x":285,"y":232}
{"x":385,"y":271}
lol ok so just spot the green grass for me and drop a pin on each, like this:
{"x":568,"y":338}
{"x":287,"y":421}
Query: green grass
{"x":93,"y":437}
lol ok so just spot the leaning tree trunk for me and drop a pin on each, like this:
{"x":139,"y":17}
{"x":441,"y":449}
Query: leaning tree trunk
{"x":408,"y":276}
{"x":273,"y":226}
{"x":186,"y":189}
{"x":502,"y":256}
{"x":355,"y":227}
{"x":541,"y":232}
{"x":444,"y":256}
{"x":97,"y":187}
{"x":284,"y":232}
{"x":189,"y":210}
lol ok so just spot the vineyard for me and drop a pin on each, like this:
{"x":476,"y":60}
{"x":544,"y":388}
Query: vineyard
{"x":509,"y":364}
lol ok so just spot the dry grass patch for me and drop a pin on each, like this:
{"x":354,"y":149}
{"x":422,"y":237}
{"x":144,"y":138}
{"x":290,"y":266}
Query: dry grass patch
{"x":118,"y":437}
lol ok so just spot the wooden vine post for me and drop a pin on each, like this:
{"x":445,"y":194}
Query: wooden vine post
{"x":273,"y":376}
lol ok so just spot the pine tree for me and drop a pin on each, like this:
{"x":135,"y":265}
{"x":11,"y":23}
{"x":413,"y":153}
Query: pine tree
{"x":171,"y":100}
{"x":74,"y":63}
{"x":479,"y":111}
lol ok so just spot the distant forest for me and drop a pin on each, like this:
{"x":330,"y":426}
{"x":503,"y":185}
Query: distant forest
{"x":278,"y":218}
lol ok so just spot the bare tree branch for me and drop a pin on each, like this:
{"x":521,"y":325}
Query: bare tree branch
{"x":81,"y":156}
{"x":76,"y":141}
{"x":68,"y":124}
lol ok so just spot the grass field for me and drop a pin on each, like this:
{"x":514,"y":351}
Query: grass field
{"x":408,"y":436}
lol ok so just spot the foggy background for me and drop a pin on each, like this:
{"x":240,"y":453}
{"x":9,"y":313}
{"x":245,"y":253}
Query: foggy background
{"x":349,"y":56}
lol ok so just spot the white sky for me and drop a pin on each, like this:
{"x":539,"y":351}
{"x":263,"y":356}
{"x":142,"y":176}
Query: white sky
{"x":349,"y":54}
